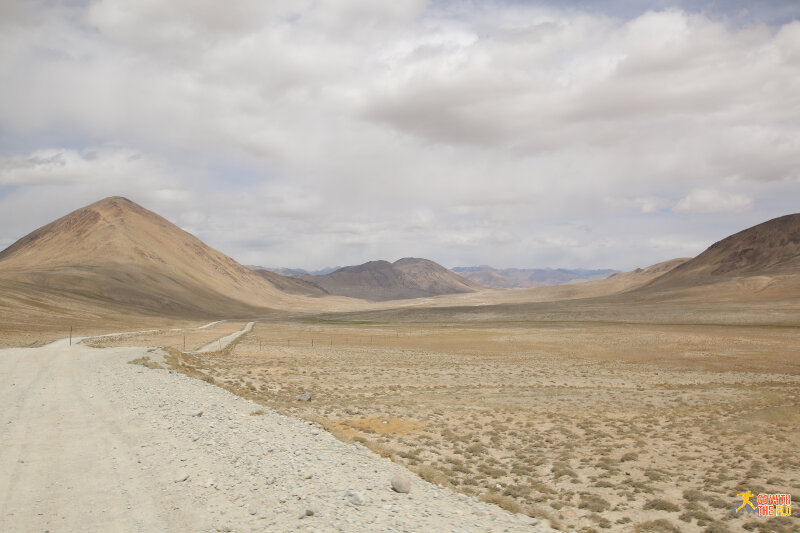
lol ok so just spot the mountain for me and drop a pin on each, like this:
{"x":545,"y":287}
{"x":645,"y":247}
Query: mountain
{"x":291,"y":284}
{"x":380,"y":280}
{"x":524,"y":278}
{"x":765,"y":253}
{"x":119,"y":256}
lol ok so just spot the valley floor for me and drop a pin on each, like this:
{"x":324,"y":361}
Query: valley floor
{"x":596,"y":426}
{"x":92,"y":443}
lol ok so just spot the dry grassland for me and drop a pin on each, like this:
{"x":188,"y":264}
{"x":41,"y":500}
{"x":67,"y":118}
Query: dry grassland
{"x":629,"y":427}
{"x":188,"y":340}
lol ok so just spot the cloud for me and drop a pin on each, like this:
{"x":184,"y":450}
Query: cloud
{"x":65,"y":166}
{"x":711,"y":201}
{"x":311,"y":133}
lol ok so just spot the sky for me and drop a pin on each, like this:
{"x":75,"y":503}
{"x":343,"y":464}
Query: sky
{"x":313,"y":133}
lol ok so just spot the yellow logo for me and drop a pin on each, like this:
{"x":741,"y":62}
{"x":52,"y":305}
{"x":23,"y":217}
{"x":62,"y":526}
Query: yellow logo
{"x":746,"y":500}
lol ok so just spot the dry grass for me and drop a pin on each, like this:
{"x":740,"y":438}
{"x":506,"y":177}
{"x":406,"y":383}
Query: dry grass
{"x":543,"y":419}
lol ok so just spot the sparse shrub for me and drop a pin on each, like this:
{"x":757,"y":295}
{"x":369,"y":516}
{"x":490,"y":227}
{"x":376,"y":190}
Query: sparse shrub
{"x":661,"y":505}
{"x":717,"y":527}
{"x":693,"y":495}
{"x":600,"y":520}
{"x":432,"y":475}
{"x":506,"y":502}
{"x":593,"y":502}
{"x":145,"y":361}
{"x":656,"y":526}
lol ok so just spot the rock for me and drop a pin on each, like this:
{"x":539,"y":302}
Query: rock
{"x":358,"y":498}
{"x":182,"y":477}
{"x":198,"y":413}
{"x":401,"y":484}
{"x":311,"y":510}
{"x":305,"y":397}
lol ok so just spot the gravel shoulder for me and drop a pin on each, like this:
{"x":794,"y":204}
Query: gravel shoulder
{"x":92,"y":443}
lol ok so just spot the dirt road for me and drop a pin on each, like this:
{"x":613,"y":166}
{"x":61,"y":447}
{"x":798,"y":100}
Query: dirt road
{"x":91,"y":443}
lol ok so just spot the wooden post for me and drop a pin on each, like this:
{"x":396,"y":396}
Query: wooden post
{"x":312,"y":342}
{"x":70,"y":335}
{"x":219,"y":341}
{"x":184,"y":343}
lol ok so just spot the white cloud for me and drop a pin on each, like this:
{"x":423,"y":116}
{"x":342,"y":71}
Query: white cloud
{"x":64,"y":166}
{"x":280,"y":130}
{"x":711,"y":201}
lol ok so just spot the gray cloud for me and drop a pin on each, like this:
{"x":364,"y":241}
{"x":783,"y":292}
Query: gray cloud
{"x":318,"y":133}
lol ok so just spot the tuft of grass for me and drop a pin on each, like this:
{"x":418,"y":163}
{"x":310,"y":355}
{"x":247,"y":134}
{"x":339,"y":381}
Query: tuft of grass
{"x":432,"y":475}
{"x":145,"y":361}
{"x":506,"y":502}
{"x":661,"y":505}
{"x":656,"y":526}
{"x":593,"y":503}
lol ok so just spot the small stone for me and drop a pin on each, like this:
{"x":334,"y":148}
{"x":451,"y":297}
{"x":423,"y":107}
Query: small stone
{"x":311,"y":510}
{"x":305,"y":397}
{"x":198,"y":413}
{"x":181,"y":478}
{"x":401,"y":484}
{"x":358,"y":498}
{"x":308,"y":475}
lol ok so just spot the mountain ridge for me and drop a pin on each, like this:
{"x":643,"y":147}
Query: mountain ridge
{"x":380,"y":280}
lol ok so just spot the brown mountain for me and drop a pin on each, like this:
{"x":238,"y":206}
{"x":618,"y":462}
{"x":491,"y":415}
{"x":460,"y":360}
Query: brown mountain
{"x":291,"y":284}
{"x":768,"y":250}
{"x":380,"y":280}
{"x":117,"y":255}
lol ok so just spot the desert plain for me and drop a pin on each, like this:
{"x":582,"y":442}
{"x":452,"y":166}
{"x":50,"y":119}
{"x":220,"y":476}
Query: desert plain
{"x":596,"y":417}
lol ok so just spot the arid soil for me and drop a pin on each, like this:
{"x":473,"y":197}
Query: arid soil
{"x":593,"y":425}
{"x":93,"y":443}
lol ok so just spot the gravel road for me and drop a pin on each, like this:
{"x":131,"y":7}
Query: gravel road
{"x":91,"y":443}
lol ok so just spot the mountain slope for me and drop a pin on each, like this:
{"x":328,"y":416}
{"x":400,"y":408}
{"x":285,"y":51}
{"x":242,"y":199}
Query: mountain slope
{"x":291,"y":284}
{"x":128,"y":259}
{"x":380,"y":280}
{"x":771,"y":248}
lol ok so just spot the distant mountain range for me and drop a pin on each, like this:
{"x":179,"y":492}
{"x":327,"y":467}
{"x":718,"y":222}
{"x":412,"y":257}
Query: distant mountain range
{"x":115,"y":256}
{"x":296,"y":271}
{"x":525,"y":278}
{"x":409,"y":277}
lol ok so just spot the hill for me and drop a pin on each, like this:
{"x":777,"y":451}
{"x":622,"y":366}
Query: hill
{"x":525,"y":278}
{"x":405,"y":278}
{"x":291,"y":283}
{"x":117,"y":255}
{"x":761,"y":263}
{"x":769,"y":248}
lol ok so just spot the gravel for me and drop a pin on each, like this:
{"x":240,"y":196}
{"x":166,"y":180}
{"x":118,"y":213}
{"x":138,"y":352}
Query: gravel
{"x":92,"y":443}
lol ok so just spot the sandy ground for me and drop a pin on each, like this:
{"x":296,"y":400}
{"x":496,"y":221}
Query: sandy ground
{"x":93,"y":443}
{"x":597,"y":425}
